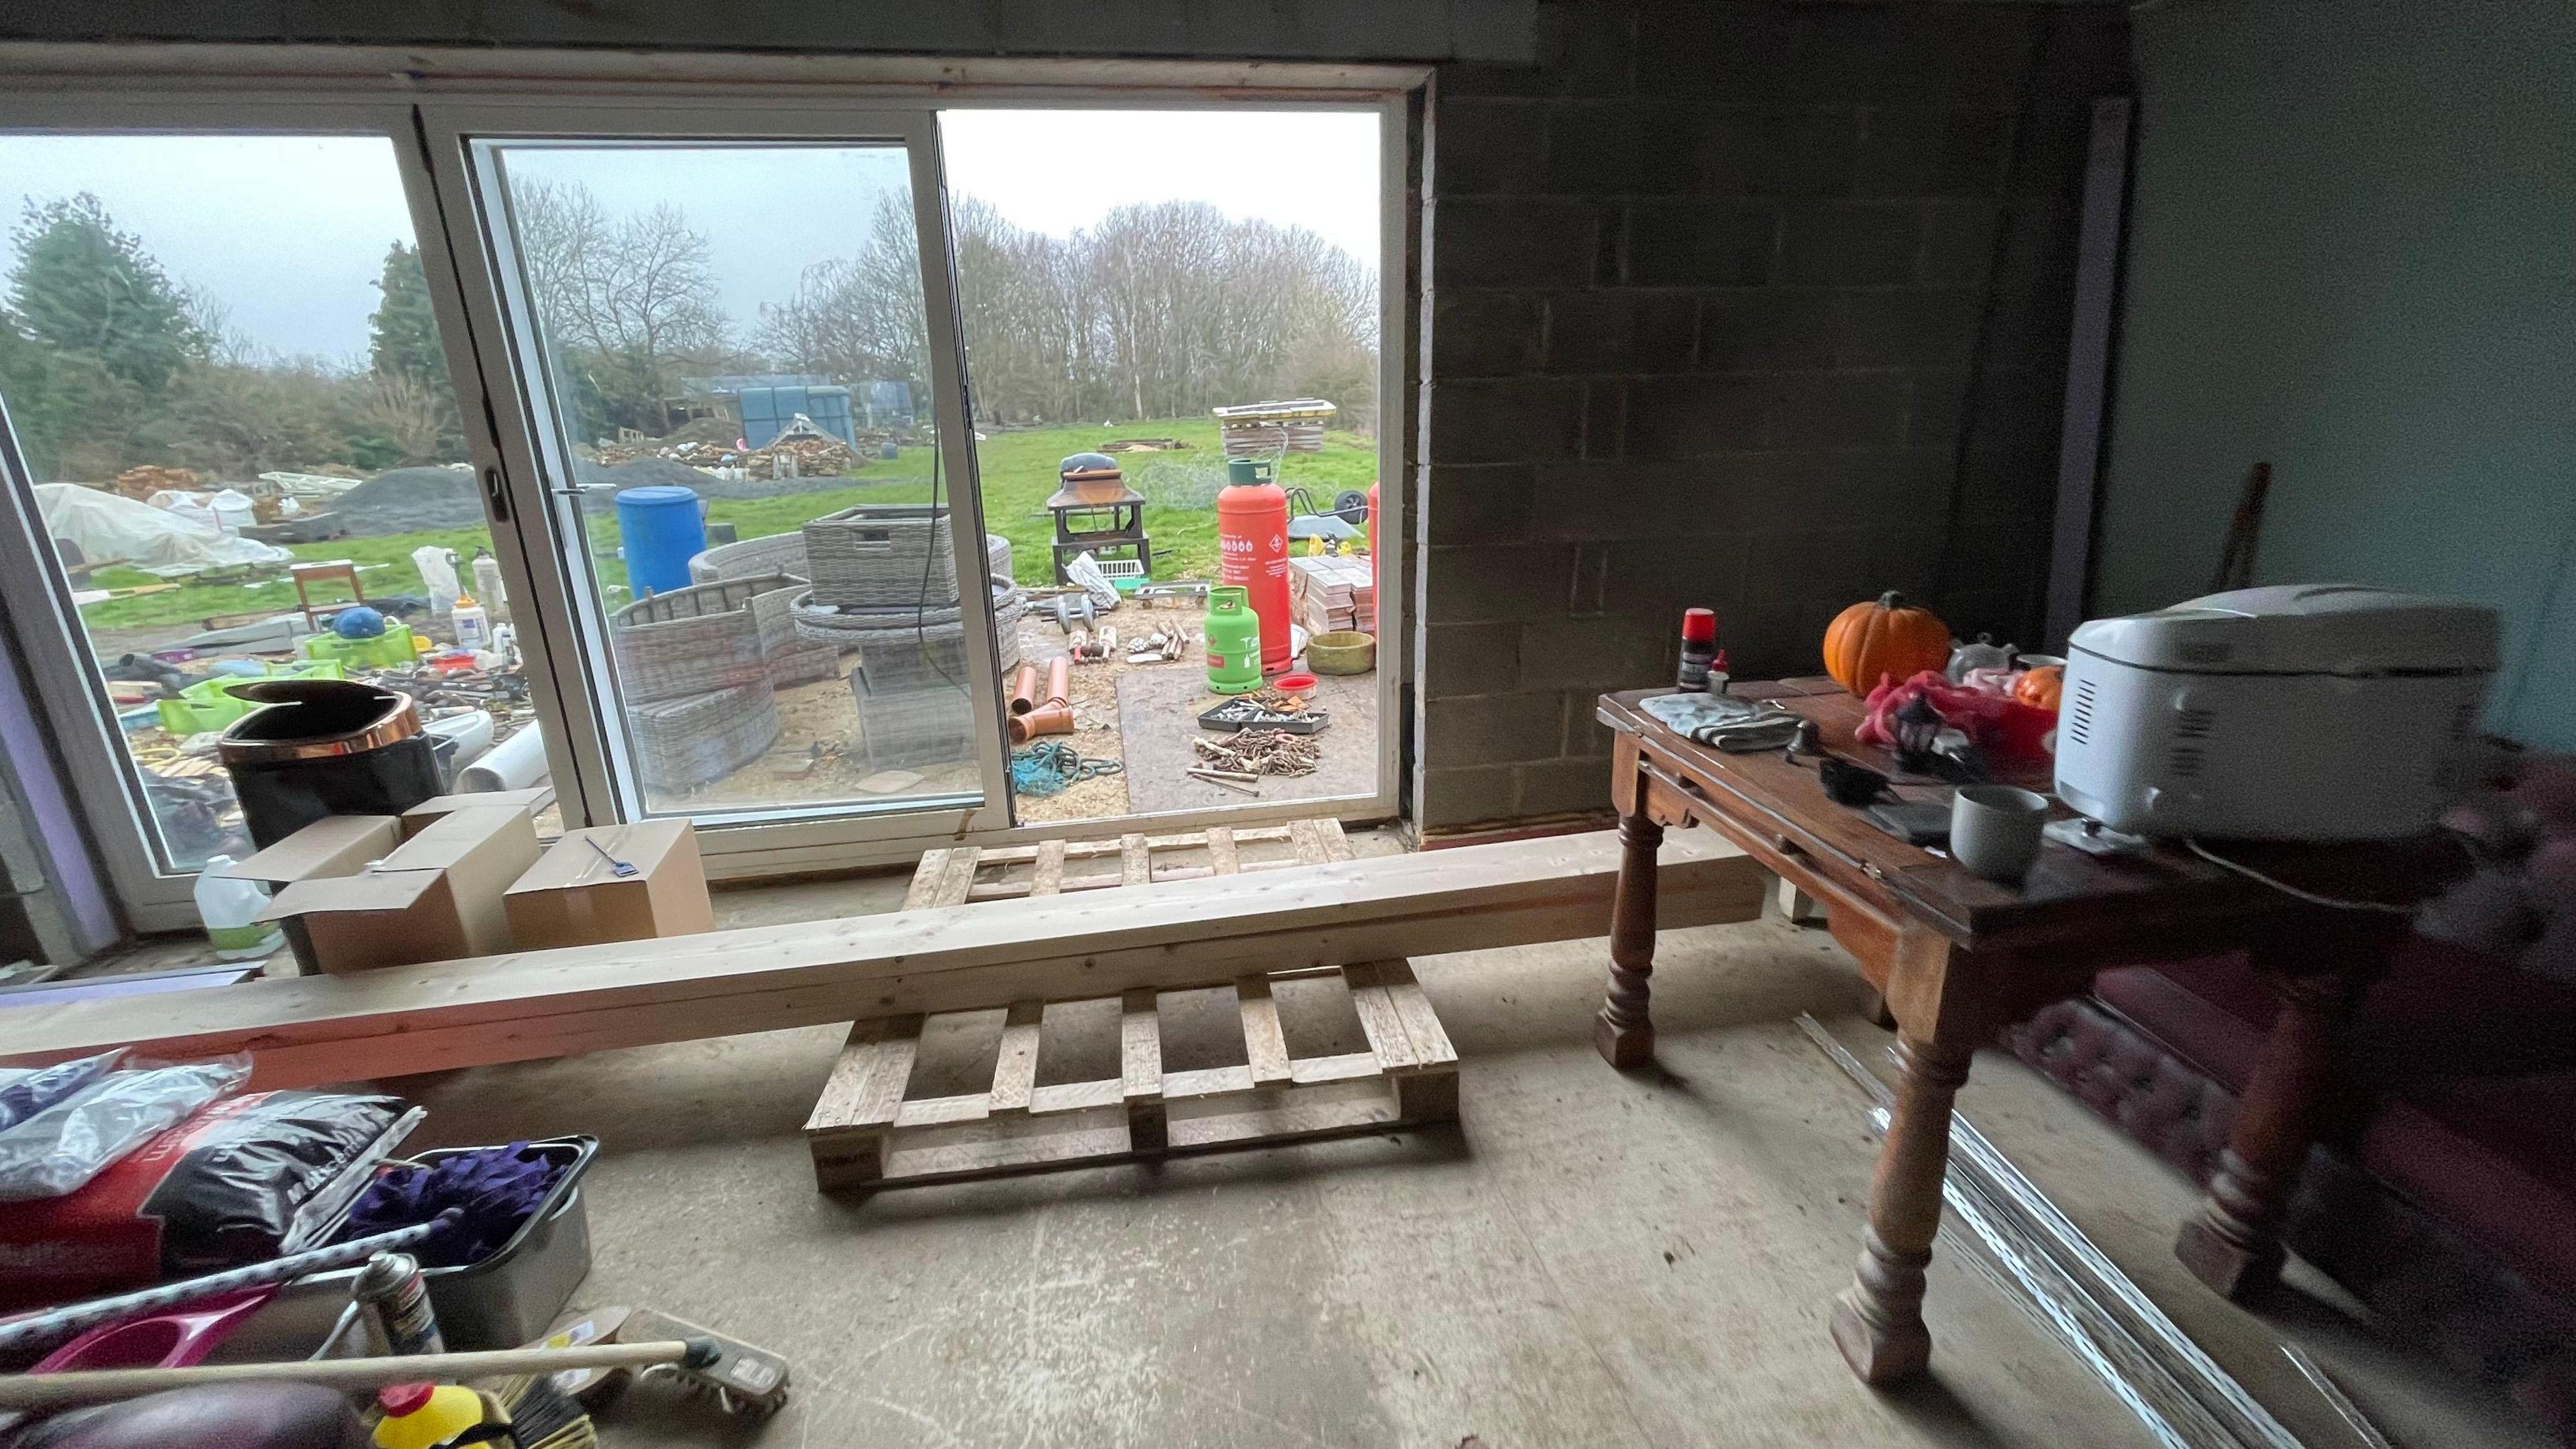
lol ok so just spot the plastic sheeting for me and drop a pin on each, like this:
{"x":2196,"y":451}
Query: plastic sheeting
{"x":158,"y":541}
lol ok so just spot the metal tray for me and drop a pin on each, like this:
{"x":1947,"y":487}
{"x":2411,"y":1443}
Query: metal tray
{"x":506,"y":1300}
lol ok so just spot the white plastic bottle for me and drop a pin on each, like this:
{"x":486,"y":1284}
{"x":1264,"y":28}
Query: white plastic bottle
{"x":473,"y":626}
{"x":231,"y":909}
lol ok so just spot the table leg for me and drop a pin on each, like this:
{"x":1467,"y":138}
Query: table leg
{"x":2234,"y":1244}
{"x":1878,"y":1321}
{"x":1623,"y":1033}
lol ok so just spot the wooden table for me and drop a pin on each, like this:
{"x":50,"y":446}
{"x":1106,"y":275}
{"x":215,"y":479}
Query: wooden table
{"x":1956,"y":958}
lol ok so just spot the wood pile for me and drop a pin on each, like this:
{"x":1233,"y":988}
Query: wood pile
{"x":1261,"y":752}
{"x":1326,"y":593}
{"x":144,"y":481}
{"x":1258,"y":429}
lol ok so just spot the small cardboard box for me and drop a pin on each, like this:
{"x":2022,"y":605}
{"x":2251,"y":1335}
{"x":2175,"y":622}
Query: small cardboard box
{"x":574,"y":897}
{"x":336,"y":845}
{"x":436,"y":898}
{"x":332,"y":845}
{"x":421,"y":816}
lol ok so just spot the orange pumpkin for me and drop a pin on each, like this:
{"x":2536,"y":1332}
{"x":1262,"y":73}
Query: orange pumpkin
{"x":2041,"y":688}
{"x":1885,"y":638}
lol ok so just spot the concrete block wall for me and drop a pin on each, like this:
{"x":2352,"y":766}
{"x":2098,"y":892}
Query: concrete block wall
{"x":1752,"y":304}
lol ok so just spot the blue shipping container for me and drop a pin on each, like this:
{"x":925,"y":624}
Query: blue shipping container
{"x":765,"y":410}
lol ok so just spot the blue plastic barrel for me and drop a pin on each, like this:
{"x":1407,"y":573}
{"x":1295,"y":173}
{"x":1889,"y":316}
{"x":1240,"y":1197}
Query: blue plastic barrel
{"x":663,"y":532}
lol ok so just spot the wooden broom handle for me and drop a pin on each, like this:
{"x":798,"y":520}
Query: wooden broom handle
{"x":57,"y":1391}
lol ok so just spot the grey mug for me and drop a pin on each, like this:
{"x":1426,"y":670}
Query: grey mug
{"x":1994,"y":830}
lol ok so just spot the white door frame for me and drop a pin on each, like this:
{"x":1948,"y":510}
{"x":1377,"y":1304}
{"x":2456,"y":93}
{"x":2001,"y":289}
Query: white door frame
{"x":719,"y":94}
{"x":457,"y":135}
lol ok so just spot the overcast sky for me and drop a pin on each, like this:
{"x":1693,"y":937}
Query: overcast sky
{"x":290,"y":232}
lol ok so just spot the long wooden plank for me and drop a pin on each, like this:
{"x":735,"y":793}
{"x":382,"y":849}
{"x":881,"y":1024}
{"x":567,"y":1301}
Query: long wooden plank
{"x":1047,"y":872}
{"x":867,"y":1081}
{"x":926,"y":876}
{"x":1015,"y":1071}
{"x":1265,"y":1046}
{"x":957,"y":879}
{"x":309,"y":1030}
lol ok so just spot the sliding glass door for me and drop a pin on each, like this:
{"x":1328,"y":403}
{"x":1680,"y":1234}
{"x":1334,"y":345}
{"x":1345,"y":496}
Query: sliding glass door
{"x":737,"y":449}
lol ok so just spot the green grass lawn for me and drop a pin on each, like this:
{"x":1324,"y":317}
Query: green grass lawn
{"x":1018,"y":472}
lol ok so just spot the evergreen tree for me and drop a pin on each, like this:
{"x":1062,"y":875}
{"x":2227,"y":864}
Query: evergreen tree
{"x":403,"y":335}
{"x":82,"y":288}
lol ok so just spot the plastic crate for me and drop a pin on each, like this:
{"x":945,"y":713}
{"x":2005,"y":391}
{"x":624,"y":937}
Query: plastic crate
{"x":393,"y":649}
{"x":210,"y":704}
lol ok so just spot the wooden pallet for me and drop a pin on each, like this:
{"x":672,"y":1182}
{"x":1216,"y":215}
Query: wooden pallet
{"x":866,"y":1132}
{"x":966,"y":874}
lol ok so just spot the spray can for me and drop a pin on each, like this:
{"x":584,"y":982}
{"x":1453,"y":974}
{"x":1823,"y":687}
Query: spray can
{"x":397,"y":1297}
{"x":1699,"y":647}
{"x":487,"y":583}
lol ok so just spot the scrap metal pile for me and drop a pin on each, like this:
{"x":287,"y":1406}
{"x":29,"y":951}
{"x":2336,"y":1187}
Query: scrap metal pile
{"x":1260,"y":752}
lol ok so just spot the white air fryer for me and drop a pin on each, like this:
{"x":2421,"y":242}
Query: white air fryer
{"x":2303,"y":712}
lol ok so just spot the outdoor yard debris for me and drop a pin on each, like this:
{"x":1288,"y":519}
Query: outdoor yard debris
{"x":1261,"y":752}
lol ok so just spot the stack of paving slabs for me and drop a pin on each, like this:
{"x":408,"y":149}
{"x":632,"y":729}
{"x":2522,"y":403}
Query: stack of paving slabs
{"x":1329,"y":593}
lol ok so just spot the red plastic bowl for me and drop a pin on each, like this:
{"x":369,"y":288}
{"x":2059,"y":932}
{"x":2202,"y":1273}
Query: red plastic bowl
{"x":1297,"y":683}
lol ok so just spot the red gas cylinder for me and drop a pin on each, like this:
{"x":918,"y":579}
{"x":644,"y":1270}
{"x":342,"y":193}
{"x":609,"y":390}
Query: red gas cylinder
{"x":1252,"y":549}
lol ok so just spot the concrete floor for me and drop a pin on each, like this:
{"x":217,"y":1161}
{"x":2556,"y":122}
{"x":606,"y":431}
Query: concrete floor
{"x":1589,"y":1259}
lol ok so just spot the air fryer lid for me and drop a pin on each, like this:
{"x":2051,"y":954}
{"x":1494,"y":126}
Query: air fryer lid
{"x":310,"y":719}
{"x":2301,"y":629}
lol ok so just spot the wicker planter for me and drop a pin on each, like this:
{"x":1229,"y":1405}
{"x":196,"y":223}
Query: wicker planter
{"x":881,"y":555}
{"x":681,"y":744}
{"x":912,"y":727}
{"x":693,"y":641}
{"x":784,"y":553}
{"x":913,"y":648}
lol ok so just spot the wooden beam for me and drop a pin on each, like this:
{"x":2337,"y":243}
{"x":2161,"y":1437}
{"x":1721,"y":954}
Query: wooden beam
{"x":304,"y":1031}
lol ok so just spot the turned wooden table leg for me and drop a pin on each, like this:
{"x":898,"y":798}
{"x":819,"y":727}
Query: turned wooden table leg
{"x":1623,"y":1033}
{"x":2234,"y":1244}
{"x":1878,"y":1321}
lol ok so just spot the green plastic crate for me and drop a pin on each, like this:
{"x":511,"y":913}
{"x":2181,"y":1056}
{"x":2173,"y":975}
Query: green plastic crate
{"x":210,"y":704}
{"x":392,"y":649}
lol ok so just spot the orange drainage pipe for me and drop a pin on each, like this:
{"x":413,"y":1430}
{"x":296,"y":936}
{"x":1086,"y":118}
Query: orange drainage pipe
{"x":1024,"y":689}
{"x":1060,"y":681}
{"x":1052,"y":718}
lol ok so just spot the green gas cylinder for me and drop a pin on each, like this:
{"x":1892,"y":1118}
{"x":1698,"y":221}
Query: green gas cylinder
{"x":1233,"y":641}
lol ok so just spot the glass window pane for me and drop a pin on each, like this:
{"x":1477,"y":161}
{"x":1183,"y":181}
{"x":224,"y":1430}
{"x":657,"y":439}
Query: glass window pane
{"x":731,"y":340}
{"x":1225,"y":259}
{"x":221,"y":369}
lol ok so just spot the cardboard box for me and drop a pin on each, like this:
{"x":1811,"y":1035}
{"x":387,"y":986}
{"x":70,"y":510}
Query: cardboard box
{"x":574,"y":897}
{"x":336,"y":845}
{"x":428,"y":812}
{"x":333,"y":845}
{"x":436,"y":898}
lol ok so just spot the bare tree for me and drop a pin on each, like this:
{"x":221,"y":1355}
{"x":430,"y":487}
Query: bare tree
{"x":624,"y":305}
